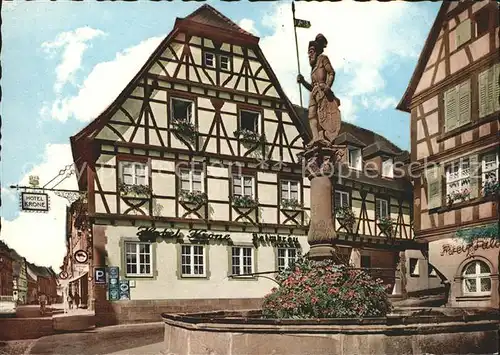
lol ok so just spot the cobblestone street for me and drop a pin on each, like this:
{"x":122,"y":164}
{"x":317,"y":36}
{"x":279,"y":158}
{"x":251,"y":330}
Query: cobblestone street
{"x":144,"y":339}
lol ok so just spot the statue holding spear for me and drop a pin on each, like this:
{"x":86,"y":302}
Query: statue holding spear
{"x":324,"y":113}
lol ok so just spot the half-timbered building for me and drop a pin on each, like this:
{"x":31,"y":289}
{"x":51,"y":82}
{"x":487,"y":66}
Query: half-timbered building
{"x":453,"y":97}
{"x":192,"y":176}
{"x":372,"y":206}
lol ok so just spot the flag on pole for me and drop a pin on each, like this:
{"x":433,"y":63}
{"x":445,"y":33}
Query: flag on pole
{"x":301,"y":23}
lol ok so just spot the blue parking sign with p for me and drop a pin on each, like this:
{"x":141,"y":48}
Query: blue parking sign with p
{"x":100,"y":275}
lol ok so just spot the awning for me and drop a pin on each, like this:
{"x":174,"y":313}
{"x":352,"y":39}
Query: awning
{"x":73,"y":279}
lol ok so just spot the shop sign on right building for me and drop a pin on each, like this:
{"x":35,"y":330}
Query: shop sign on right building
{"x":453,"y":98}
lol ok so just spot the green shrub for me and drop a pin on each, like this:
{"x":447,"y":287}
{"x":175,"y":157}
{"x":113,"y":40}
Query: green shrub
{"x":312,"y":289}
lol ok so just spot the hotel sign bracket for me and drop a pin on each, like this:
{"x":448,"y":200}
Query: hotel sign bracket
{"x":34,"y":198}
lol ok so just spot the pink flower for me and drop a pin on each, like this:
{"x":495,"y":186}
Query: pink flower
{"x":314,"y":300}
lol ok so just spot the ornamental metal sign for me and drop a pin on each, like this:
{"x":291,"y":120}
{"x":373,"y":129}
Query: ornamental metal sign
{"x":81,"y":256}
{"x":34,"y":202}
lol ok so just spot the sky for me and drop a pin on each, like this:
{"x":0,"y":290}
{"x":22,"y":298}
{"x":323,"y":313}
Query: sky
{"x":63,"y":62}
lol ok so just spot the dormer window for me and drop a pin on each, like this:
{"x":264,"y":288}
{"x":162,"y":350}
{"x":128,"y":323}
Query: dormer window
{"x":209,"y":60}
{"x":224,"y":62}
{"x":355,"y":158}
{"x":387,"y":167}
{"x":182,"y":109}
{"x":249,"y":120}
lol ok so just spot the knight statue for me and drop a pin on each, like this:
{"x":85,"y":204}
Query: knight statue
{"x":324,"y":114}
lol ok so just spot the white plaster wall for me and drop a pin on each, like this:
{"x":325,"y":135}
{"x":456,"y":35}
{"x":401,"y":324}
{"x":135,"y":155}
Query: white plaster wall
{"x":168,"y":286}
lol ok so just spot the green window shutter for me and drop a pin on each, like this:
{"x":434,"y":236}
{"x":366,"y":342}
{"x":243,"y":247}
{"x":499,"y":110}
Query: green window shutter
{"x":463,"y":32}
{"x":434,"y":195}
{"x":483,"y":93}
{"x":464,"y":103}
{"x":496,"y":88}
{"x":475,"y":174}
{"x":450,"y":109}
{"x":490,"y":91}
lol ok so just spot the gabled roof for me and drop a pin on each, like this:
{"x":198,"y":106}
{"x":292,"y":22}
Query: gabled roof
{"x":363,"y":135}
{"x":206,"y":14}
{"x":349,"y":139}
{"x":41,"y":270}
{"x":378,"y":148}
{"x":404,"y":104}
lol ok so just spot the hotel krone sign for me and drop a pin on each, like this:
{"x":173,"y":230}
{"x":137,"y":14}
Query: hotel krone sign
{"x":202,"y":236}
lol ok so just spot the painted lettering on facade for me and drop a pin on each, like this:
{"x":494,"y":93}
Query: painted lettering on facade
{"x":275,"y":240}
{"x":469,"y":249}
{"x":200,"y":236}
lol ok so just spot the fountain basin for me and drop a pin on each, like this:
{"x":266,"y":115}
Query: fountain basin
{"x":406,"y":331}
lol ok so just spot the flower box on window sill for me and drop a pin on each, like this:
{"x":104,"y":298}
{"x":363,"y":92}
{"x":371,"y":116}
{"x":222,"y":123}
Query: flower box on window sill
{"x":345,"y":216}
{"x":186,"y":129}
{"x":491,"y":188}
{"x":461,"y":196}
{"x":248,"y":138}
{"x":135,"y":191}
{"x":291,"y":204}
{"x":196,"y":198}
{"x":386,"y":225}
{"x":244,"y":202}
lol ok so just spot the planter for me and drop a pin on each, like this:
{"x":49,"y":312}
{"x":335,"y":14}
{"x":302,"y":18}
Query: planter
{"x":291,"y":204}
{"x":242,"y":202}
{"x":248,"y":139}
{"x":194,"y":198}
{"x":185,"y":129}
{"x":139,"y":192}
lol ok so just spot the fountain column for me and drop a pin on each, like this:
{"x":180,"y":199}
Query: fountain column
{"x":320,"y":161}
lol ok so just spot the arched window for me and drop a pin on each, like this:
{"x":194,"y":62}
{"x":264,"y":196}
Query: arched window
{"x":476,"y":278}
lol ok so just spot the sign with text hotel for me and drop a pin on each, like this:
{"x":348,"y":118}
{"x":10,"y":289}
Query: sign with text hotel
{"x":34,"y":202}
{"x":202,"y":236}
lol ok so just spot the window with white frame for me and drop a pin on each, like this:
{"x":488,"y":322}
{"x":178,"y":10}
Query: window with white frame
{"x":457,"y":177}
{"x":355,"y":158}
{"x":224,"y":62}
{"x":249,"y":120}
{"x":193,"y":260}
{"x":191,"y":180}
{"x":341,"y":199}
{"x":209,"y":59}
{"x":138,"y":259}
{"x":182,"y":109}
{"x":133,"y":173}
{"x":490,"y":167}
{"x":387,"y":167}
{"x":289,"y":190}
{"x":287,"y":257}
{"x":381,"y":208}
{"x":241,"y":260}
{"x":243,"y":185}
{"x":476,"y":278}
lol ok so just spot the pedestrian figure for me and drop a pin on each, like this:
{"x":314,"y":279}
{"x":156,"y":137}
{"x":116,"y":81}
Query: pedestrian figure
{"x":42,"y":300}
{"x":66,"y":298}
{"x":70,"y":300}
{"x":77,"y":300}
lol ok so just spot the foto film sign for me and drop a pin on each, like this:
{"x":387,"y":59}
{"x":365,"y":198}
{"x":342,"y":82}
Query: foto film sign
{"x":34,"y":202}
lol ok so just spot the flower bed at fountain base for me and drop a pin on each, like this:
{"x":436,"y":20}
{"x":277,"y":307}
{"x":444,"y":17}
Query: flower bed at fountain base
{"x":405,"y":331}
